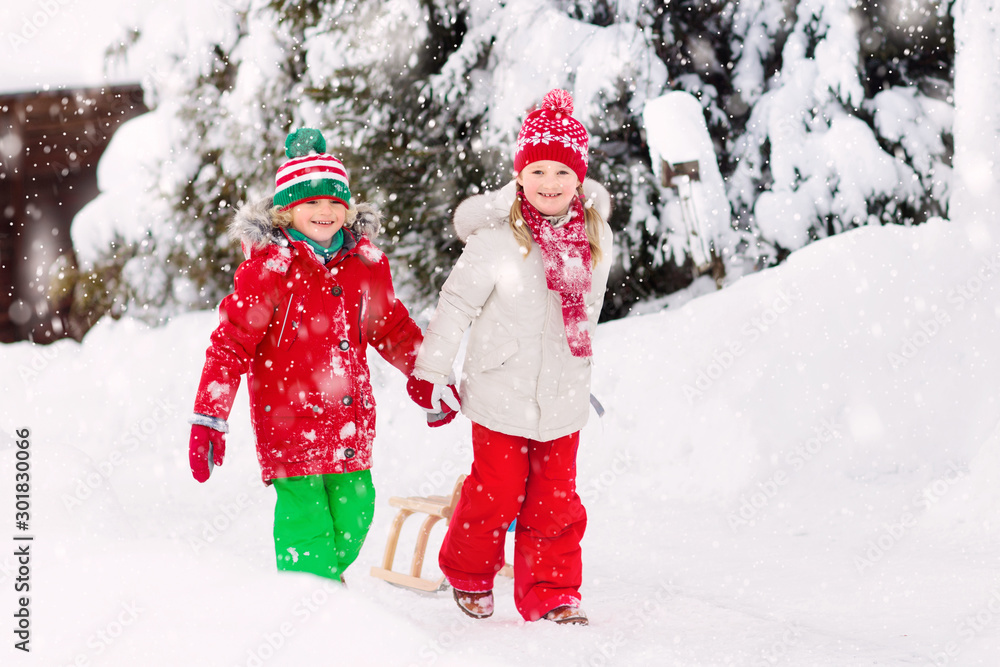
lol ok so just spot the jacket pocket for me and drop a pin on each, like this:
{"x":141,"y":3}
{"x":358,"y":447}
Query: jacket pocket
{"x":295,"y":429}
{"x":496,"y":357}
{"x":574,"y":380}
{"x":309,"y":406}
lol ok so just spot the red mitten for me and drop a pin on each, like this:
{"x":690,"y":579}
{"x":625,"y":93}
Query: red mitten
{"x":435,"y":419}
{"x":433,"y":397}
{"x":207,"y":449}
{"x":441,"y":401}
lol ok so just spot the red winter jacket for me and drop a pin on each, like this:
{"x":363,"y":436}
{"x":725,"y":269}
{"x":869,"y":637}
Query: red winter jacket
{"x":300,"y":331}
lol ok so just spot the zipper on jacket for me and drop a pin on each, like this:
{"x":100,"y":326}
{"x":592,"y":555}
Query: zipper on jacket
{"x":362,"y":315}
{"x":284,"y":323}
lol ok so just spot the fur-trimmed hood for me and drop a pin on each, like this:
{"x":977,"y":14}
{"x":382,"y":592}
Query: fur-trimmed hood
{"x":252,"y":227}
{"x":493,"y":208}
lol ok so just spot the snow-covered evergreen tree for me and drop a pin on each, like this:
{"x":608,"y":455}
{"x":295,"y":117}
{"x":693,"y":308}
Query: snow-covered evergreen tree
{"x":220,"y":80}
{"x":368,"y":67}
{"x":831,"y":141}
{"x":825,"y":115}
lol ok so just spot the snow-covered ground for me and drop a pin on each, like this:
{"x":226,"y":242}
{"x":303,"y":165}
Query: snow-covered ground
{"x":801,"y":469}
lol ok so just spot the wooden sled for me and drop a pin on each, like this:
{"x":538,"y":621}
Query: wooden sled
{"x":436,"y":508}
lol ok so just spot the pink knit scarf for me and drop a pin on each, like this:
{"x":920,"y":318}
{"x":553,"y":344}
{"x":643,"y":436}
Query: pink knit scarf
{"x":566,"y":258}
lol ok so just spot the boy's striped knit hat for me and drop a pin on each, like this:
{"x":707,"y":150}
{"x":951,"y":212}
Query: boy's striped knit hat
{"x":310,"y":173}
{"x":551,"y":133}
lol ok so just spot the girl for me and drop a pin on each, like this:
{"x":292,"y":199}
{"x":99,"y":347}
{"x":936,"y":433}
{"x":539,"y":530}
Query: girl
{"x":530,"y":283}
{"x":312,"y":295}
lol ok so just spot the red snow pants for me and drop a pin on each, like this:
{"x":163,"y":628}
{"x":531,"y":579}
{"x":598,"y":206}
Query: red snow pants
{"x":534,"y":482}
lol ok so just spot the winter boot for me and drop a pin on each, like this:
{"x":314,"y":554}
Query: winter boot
{"x":476,"y":605}
{"x":567,"y":615}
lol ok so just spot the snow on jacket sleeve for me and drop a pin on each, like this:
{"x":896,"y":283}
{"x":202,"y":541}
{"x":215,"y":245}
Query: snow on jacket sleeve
{"x":390,"y":328}
{"x":244,"y":317}
{"x":462,"y":297}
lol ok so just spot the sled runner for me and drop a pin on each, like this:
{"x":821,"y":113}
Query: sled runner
{"x":436,"y":508}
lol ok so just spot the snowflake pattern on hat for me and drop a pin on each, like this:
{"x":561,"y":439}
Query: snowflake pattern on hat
{"x":549,"y":138}
{"x":551,"y":133}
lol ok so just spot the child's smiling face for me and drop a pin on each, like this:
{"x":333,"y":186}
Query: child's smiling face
{"x":549,"y":186}
{"x":319,"y":219}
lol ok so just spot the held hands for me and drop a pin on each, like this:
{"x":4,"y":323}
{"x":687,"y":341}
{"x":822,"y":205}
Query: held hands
{"x":441,"y":401}
{"x":207,"y":449}
{"x":435,"y":419}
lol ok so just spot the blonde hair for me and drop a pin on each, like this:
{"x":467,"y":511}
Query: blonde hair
{"x":282,"y":217}
{"x":594,"y":226}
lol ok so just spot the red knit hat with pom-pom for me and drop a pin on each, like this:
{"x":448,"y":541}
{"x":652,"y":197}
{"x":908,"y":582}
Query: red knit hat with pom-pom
{"x":551,"y":133}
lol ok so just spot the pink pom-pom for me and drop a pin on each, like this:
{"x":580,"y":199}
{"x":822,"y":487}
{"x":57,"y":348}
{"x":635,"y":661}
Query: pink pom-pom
{"x":558,"y":100}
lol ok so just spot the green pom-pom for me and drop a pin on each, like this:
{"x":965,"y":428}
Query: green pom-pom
{"x":303,"y":142}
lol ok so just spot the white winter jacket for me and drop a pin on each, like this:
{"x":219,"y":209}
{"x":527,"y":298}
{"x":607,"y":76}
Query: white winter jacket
{"x":518,"y":376}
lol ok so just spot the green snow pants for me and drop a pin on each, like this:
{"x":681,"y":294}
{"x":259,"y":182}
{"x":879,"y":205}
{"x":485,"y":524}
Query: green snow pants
{"x":320,"y":521}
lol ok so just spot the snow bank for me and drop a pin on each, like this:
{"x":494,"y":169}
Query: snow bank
{"x":127,"y":176}
{"x":802,"y":468}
